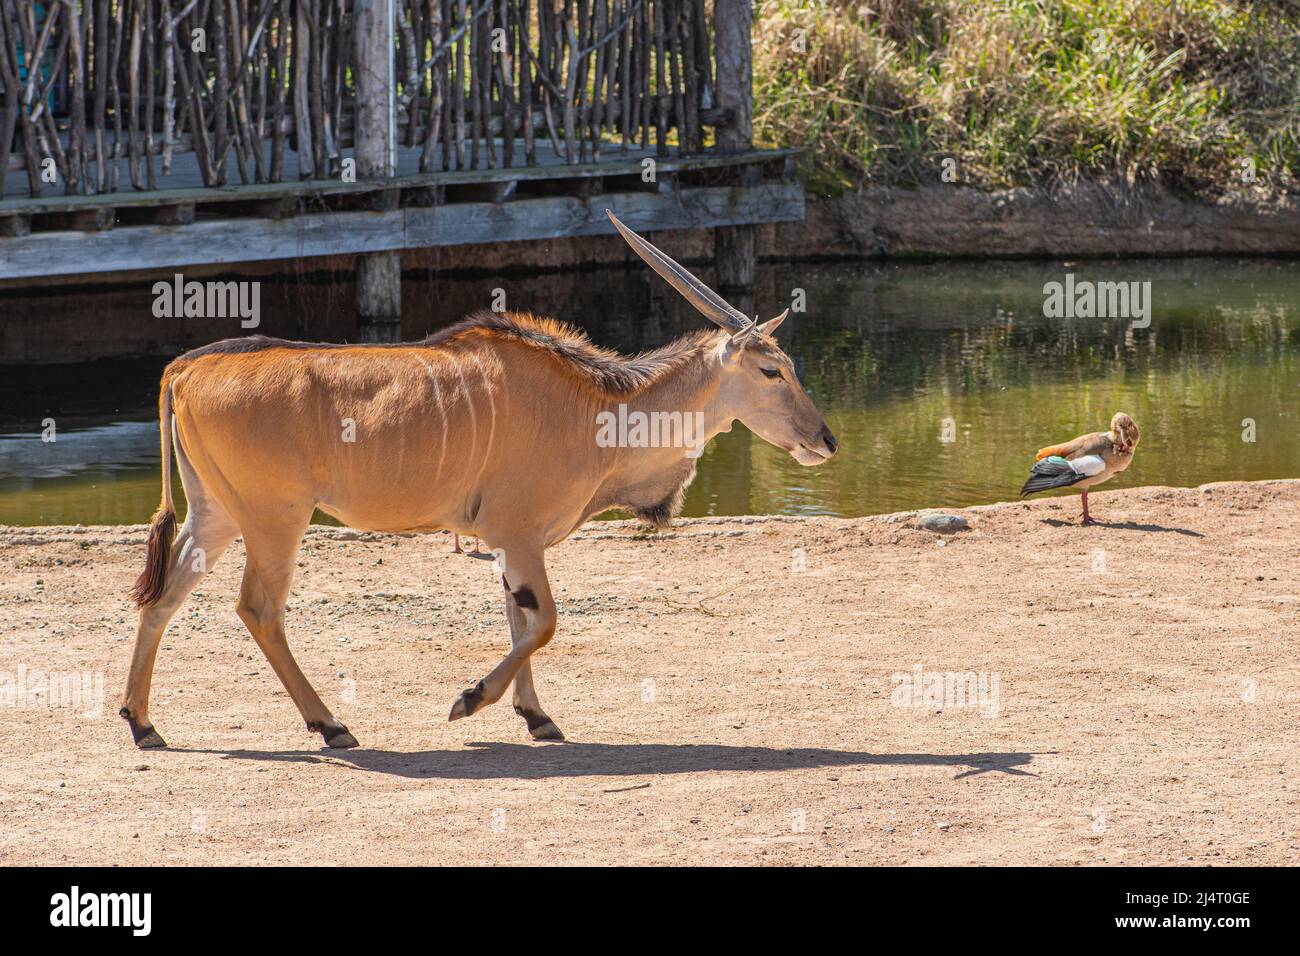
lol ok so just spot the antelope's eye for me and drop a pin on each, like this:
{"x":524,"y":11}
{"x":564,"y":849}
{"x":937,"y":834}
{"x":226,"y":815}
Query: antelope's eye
{"x":771,"y":372}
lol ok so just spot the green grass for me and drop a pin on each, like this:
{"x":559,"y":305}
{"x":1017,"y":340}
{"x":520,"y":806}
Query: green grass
{"x":1033,"y":92}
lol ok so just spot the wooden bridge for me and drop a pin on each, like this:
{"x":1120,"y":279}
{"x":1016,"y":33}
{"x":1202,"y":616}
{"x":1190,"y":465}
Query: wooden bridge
{"x":149,"y":134}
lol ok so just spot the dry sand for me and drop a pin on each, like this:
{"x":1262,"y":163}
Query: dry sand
{"x":720,"y":707}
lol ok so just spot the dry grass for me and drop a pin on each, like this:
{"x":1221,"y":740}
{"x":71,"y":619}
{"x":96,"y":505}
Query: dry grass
{"x":1186,"y":92}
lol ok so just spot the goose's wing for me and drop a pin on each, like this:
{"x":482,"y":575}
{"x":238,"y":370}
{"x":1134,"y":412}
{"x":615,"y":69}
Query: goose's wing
{"x":1094,"y":443}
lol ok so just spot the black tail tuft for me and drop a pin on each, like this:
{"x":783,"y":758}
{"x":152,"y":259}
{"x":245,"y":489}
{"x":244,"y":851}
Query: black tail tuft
{"x":162,"y":531}
{"x":1050,"y":473}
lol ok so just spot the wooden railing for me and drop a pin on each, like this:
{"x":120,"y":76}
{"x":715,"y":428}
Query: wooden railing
{"x":99,"y":95}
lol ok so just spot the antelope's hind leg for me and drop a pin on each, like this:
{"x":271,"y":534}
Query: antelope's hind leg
{"x":529,"y":596}
{"x":205,"y":535}
{"x":272,"y":553}
{"x":527,"y":706}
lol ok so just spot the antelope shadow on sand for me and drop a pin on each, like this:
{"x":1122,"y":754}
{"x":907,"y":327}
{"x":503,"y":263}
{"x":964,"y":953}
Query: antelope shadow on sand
{"x":509,"y":761}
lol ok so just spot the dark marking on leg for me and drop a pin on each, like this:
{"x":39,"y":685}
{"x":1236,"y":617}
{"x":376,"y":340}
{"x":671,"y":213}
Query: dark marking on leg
{"x":144,"y":735}
{"x":525,"y":598}
{"x":540,"y":726}
{"x":531,"y":717}
{"x":504,"y":583}
{"x":474,"y":506}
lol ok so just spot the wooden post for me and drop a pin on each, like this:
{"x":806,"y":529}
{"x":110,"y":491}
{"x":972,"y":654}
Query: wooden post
{"x":379,"y":274}
{"x":733,"y":246}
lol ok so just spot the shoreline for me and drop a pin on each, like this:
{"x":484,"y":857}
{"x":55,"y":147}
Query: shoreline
{"x":595,"y":529}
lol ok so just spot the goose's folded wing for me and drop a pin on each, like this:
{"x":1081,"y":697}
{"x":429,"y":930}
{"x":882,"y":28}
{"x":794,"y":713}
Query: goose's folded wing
{"x":1094,"y":443}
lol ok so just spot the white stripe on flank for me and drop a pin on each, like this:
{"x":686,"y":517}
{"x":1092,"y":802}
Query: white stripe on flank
{"x":492,"y":425}
{"x":469,"y":402}
{"x":442,"y":417}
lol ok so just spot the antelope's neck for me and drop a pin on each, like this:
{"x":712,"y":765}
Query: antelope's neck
{"x":654,"y":437}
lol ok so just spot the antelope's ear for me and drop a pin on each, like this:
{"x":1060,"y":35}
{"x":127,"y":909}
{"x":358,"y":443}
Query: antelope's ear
{"x":768,"y":327}
{"x":739,"y":340}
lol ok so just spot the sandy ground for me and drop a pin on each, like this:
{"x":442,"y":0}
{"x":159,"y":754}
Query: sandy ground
{"x":732,"y":692}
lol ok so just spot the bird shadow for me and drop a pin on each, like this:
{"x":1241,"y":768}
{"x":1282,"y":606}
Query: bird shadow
{"x":1124,"y":526}
{"x":507,"y":761}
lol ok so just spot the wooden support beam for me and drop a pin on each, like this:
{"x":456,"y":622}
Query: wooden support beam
{"x":281,"y":207}
{"x":383,"y":200}
{"x":498,"y":192}
{"x":733,"y":55}
{"x":182,"y":214}
{"x":95,"y":219}
{"x":424,"y":196}
{"x":379,"y":276}
{"x":15,"y":226}
{"x":589,"y":187}
{"x":219,"y":241}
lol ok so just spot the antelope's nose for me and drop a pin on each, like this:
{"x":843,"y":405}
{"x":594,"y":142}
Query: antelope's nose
{"x":829,"y":439}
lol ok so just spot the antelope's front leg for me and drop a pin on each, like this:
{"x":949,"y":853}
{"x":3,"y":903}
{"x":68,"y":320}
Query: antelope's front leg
{"x":525,"y":581}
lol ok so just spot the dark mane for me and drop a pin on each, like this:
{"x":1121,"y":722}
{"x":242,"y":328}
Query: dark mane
{"x":603,"y":368}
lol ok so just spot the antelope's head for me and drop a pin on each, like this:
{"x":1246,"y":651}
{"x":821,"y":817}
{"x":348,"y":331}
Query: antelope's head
{"x":758,"y":382}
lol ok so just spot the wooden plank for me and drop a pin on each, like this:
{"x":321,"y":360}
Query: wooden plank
{"x":323,"y":187}
{"x":345,"y":233}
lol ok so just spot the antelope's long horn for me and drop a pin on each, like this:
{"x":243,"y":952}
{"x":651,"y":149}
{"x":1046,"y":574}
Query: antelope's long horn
{"x":711,"y":305}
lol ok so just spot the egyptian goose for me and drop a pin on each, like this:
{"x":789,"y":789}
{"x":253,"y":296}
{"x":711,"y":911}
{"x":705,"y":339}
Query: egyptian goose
{"x":1086,"y":461}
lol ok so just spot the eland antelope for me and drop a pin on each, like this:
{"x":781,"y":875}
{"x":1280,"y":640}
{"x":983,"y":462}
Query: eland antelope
{"x":486,"y":428}
{"x":1085,"y":461}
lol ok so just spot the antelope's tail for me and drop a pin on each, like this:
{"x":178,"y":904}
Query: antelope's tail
{"x":162,"y":529}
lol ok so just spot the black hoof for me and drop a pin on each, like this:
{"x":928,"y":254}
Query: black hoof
{"x":468,"y":702}
{"x":547,"y":731}
{"x":145,"y":737}
{"x":336,"y":736}
{"x":150,"y":740}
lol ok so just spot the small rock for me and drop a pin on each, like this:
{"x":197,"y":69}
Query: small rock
{"x":944,"y":524}
{"x":944,"y":826}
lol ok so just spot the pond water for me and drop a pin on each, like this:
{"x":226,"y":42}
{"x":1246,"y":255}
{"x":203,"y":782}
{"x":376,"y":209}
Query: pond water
{"x":940,"y":380}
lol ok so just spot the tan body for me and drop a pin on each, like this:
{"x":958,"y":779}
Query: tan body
{"x":436,"y":436}
{"x":486,"y":429}
{"x":1114,"y":447}
{"x":1103,"y":444}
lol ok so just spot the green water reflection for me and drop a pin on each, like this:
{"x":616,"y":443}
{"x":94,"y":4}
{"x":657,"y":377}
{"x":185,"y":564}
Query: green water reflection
{"x":888,"y":352}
